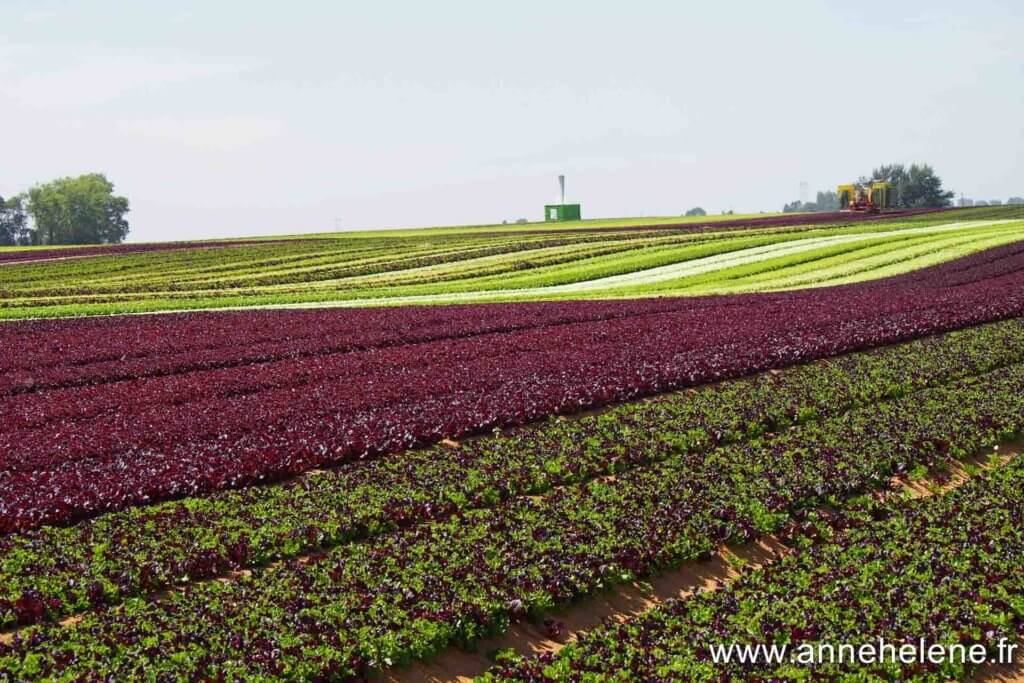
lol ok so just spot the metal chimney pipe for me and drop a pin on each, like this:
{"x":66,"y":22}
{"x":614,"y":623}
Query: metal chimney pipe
{"x":561,"y":185}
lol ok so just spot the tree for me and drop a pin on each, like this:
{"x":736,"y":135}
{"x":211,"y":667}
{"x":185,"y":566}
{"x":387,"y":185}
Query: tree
{"x":82,"y":210}
{"x":826,"y":201}
{"x":913,"y":187}
{"x":696,"y":211}
{"x":13,"y":222}
{"x":1015,"y":200}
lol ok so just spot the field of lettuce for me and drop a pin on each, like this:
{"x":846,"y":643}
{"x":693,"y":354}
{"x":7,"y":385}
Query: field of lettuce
{"x":590,"y":259}
{"x":349,"y":491}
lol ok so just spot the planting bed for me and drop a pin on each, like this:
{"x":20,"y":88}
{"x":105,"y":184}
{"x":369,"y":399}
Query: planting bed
{"x":16,"y":256}
{"x":600,"y":259}
{"x":160,"y":546}
{"x":946,"y":571}
{"x":410,"y":592}
{"x":330,"y":494}
{"x":196,"y":431}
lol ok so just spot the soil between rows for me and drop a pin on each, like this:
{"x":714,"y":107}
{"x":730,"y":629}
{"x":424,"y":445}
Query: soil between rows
{"x":1002,"y":673}
{"x":626,"y":601}
{"x":619,"y":602}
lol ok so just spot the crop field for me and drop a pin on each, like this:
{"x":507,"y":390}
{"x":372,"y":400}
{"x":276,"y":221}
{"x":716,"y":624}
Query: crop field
{"x":592,"y":260}
{"x":331,"y":480}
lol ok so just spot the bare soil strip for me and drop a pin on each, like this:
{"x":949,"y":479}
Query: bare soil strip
{"x":627,"y":601}
{"x":1002,"y":673}
{"x":620,"y":602}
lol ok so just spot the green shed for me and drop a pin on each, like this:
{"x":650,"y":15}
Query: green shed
{"x":561,"y":212}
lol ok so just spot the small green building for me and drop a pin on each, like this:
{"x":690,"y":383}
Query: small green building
{"x":561,"y":212}
{"x":554,"y":213}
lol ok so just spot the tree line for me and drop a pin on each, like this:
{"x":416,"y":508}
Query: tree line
{"x":79,"y":210}
{"x":913,"y":187}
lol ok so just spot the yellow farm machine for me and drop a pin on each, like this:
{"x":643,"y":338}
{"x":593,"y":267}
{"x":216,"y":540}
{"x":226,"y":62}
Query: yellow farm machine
{"x":871,"y":197}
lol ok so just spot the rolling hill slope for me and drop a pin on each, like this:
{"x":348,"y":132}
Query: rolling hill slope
{"x":598,"y":259}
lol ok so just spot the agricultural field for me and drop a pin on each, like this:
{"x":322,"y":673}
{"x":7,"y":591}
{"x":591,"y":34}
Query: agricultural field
{"x":584,"y":260}
{"x":453,"y":453}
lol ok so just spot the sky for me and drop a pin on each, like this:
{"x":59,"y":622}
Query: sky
{"x":235,"y":118}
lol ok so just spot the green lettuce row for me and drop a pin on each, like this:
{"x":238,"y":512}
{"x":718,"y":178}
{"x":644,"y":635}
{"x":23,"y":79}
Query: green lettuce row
{"x":410,"y":593}
{"x":948,"y":570}
{"x":453,"y":262}
{"x":138,"y":551}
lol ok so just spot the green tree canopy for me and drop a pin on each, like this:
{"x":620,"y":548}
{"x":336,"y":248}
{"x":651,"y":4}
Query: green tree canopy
{"x":696,"y":211}
{"x":82,"y":210}
{"x":914,"y":187}
{"x":13,"y":222}
{"x":825,"y":201}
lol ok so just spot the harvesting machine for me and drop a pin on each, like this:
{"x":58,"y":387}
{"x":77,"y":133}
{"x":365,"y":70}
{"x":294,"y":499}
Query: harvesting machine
{"x":865,"y":198}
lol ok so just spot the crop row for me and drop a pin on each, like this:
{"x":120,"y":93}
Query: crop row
{"x":946,"y":571}
{"x":138,"y":265}
{"x":879,"y":260}
{"x":13,"y":256}
{"x":297,"y":264}
{"x":416,"y":590}
{"x":706,"y":259}
{"x":302,"y":262}
{"x":16,"y":256}
{"x":438,"y":292}
{"x":472,"y":267}
{"x":131,"y":396}
{"x":842,"y":264}
{"x":387,"y":399}
{"x":804,"y":219}
{"x":51,"y":354}
{"x":345,"y":264}
{"x":99,"y":559}
{"x":438,"y":262}
{"x":345,"y":261}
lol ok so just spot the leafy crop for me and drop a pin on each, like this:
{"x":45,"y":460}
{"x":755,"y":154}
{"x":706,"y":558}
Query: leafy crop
{"x":56,"y":253}
{"x":199,"y":537}
{"x":949,"y":570}
{"x":213,"y":402}
{"x":489,"y":263}
{"x":412,"y":592}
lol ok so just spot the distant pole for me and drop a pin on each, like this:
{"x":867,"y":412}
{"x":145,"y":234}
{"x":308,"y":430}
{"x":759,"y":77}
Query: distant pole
{"x":561,"y":186}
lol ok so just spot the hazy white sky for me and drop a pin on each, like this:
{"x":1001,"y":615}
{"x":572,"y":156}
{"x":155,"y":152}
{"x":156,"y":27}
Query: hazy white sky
{"x":227,"y":117}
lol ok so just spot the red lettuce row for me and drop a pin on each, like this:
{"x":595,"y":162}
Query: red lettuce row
{"x":412,"y":592}
{"x":946,"y":571}
{"x":21,"y":256}
{"x":78,"y":352}
{"x":199,"y":537}
{"x":261,"y":336}
{"x":381,"y":400}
